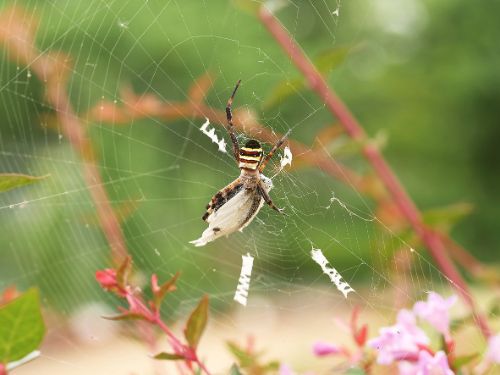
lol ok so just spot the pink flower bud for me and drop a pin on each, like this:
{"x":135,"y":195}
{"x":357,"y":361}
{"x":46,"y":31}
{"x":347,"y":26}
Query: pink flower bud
{"x":106,"y":278}
{"x":493,"y":353}
{"x":323,"y":349}
{"x":154,"y":283}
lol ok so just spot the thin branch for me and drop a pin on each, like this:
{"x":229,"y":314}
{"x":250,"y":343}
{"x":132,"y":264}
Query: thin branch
{"x":17,"y":32}
{"x":318,"y":84}
{"x":147,"y":106}
{"x":466,"y":260}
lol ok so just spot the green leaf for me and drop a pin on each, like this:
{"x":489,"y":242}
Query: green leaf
{"x":464,"y":360}
{"x":345,"y":147}
{"x":272,"y":366}
{"x":283,"y":90}
{"x":324,"y":62}
{"x":196,"y":323}
{"x":250,"y":360}
{"x":10,"y":181}
{"x":245,"y":359}
{"x":123,"y":271}
{"x":168,"y":356}
{"x":249,"y":6}
{"x":21,"y":326}
{"x":253,"y":6}
{"x":490,"y":274}
{"x":125,"y":316}
{"x":166,"y":288}
{"x":331,"y":58}
{"x":445,"y":217}
{"x":234,"y":370}
{"x":494,"y":309}
{"x":355,"y":371}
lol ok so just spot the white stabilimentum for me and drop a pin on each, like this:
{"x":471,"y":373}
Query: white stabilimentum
{"x":241,"y":293}
{"x":211,"y":134}
{"x":286,"y":159}
{"x":335,"y":277}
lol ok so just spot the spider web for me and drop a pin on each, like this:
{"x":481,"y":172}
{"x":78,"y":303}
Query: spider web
{"x":160,"y":174}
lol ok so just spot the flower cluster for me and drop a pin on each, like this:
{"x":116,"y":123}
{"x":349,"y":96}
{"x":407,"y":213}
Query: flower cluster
{"x":436,"y":311}
{"x":408,"y":346}
{"x":402,"y":341}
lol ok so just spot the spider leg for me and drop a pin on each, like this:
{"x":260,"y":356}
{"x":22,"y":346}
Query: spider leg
{"x":268,"y":157}
{"x":263,"y":193}
{"x":230,"y":128}
{"x":222,"y":196}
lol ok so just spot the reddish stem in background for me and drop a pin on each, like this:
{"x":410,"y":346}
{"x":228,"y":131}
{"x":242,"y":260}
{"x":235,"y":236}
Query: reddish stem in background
{"x":17,"y":34}
{"x":73,"y":129}
{"x":463,"y":257}
{"x":318,"y":84}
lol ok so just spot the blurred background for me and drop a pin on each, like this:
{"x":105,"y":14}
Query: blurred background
{"x":421,"y":76}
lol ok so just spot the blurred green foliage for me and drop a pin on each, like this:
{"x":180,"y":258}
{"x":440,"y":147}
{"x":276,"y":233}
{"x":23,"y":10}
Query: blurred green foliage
{"x":424,"y":72}
{"x":22,"y":327}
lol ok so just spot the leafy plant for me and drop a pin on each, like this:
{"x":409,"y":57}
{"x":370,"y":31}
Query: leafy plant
{"x":21,"y":326}
{"x":10,"y":181}
{"x":250,"y":361}
{"x":139,"y":308}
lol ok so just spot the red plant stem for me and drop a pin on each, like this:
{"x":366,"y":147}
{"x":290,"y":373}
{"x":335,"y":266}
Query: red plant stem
{"x":17,"y":34}
{"x":178,"y":345}
{"x":76,"y":135}
{"x":154,"y":318}
{"x":461,"y":256}
{"x":384,"y":172}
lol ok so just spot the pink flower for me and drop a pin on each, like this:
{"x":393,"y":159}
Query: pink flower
{"x":436,"y":311}
{"x":400,"y":341}
{"x":427,"y":364}
{"x":285,"y":370}
{"x":321,"y":349}
{"x":493,"y":352}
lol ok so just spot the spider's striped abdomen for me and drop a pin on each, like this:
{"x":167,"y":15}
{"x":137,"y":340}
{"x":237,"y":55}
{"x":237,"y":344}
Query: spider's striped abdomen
{"x":250,"y":155}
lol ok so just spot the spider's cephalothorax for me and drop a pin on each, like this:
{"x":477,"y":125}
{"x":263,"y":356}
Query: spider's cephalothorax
{"x":235,"y":206}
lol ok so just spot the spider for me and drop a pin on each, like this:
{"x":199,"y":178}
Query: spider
{"x":236,"y":205}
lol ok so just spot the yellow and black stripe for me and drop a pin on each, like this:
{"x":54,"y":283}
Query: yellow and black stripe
{"x":250,"y":155}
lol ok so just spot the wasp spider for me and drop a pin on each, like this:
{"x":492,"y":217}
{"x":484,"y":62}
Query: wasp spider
{"x":236,"y":205}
